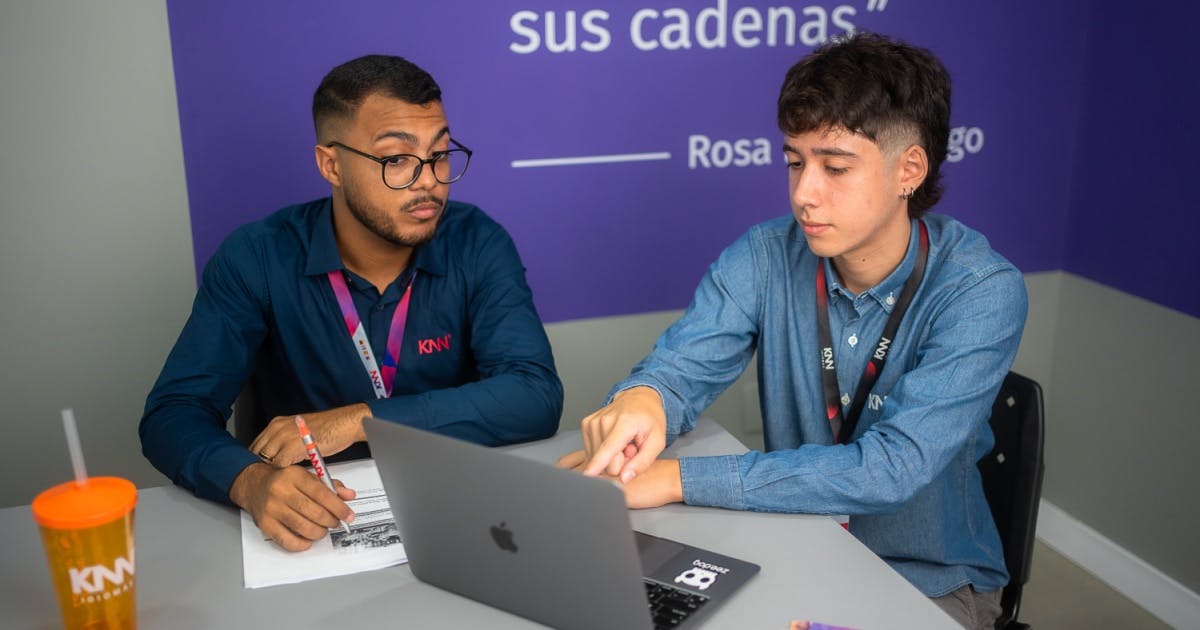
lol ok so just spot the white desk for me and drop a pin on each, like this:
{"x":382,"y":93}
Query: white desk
{"x":189,"y":570}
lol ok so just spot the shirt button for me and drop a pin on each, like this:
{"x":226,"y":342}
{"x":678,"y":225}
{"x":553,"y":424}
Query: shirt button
{"x":890,"y":300}
{"x":853,"y":340}
{"x":845,"y":398}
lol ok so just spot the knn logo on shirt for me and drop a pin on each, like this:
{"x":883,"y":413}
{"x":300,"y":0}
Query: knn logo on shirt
{"x":433,"y":344}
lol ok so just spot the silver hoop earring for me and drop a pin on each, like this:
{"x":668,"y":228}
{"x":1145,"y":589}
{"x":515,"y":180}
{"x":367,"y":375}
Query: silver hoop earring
{"x":907,"y":193}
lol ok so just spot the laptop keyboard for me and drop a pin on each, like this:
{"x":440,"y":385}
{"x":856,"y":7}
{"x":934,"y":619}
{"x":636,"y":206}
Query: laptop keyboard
{"x":669,"y":606}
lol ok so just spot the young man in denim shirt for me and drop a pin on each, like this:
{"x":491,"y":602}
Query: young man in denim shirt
{"x":881,"y":420}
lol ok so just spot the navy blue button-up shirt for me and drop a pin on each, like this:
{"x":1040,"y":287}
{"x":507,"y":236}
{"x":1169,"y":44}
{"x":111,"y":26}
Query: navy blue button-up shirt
{"x":908,"y":476}
{"x":475,"y":362}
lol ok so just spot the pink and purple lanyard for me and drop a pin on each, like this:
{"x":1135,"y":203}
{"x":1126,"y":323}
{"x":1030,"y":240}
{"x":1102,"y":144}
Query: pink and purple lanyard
{"x":381,"y":379}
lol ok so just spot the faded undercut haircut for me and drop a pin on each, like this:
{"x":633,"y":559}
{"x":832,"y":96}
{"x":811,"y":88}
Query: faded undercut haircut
{"x":883,"y":89}
{"x":344,"y":89}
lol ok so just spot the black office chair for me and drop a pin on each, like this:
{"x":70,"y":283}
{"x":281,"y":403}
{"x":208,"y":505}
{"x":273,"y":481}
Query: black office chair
{"x":1012,"y":480}
{"x":248,"y":417}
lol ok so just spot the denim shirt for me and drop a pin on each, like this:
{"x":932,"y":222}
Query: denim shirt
{"x":908,"y":475}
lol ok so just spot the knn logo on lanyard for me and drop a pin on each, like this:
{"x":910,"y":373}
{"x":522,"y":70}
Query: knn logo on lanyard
{"x":381,"y":379}
{"x":843,"y":429}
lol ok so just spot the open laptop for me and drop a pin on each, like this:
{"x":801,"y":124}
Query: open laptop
{"x":546,"y":544}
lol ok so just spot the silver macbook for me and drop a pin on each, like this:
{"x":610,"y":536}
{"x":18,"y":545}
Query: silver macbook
{"x":546,"y":544}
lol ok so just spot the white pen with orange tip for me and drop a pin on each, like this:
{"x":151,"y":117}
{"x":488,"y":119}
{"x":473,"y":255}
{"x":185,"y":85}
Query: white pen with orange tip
{"x":318,"y":464}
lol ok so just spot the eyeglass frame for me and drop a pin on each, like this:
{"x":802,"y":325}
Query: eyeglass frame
{"x":421,"y":162}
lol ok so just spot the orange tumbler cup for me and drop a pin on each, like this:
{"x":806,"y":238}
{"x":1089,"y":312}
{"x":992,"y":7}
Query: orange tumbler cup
{"x":87,"y":531}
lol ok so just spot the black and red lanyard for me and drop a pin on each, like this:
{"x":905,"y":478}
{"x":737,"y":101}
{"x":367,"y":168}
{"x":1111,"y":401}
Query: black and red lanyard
{"x":843,"y":428}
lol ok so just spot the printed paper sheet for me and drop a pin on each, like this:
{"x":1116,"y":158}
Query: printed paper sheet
{"x":373,"y":541}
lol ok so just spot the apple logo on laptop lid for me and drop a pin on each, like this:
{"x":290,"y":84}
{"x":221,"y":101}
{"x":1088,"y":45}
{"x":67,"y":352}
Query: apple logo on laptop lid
{"x":503,"y":537}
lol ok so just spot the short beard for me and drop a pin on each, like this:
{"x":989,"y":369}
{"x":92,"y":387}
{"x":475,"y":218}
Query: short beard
{"x":379,"y":224}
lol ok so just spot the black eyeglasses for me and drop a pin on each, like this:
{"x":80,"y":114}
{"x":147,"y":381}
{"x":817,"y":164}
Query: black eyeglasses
{"x":403,"y":169}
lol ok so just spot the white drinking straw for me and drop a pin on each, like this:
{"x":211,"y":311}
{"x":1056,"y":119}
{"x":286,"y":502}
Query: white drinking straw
{"x":68,"y":416}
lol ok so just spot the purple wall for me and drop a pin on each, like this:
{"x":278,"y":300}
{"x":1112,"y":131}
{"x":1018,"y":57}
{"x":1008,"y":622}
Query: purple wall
{"x":606,"y":239}
{"x":1133,"y":221}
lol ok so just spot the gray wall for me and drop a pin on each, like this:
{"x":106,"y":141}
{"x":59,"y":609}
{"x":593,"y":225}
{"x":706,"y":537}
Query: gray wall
{"x":96,"y":278}
{"x":95,"y":246}
{"x":1122,"y":425}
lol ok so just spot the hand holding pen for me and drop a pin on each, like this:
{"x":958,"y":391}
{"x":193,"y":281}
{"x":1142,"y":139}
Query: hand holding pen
{"x":318,"y":463}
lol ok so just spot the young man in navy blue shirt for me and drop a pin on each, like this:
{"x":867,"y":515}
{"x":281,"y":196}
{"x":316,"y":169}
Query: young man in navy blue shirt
{"x":882,"y":336}
{"x":385,"y":299}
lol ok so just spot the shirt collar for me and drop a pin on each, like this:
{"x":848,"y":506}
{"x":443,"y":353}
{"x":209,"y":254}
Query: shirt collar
{"x":430,"y":258}
{"x":323,"y":255}
{"x":887,"y":292}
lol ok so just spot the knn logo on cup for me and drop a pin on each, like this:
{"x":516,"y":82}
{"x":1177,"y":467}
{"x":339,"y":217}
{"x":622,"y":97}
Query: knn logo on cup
{"x":91,"y":580}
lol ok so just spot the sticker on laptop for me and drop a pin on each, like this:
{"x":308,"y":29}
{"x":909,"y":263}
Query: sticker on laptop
{"x":701,"y":575}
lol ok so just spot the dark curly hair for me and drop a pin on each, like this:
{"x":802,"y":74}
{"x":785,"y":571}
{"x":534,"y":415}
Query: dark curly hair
{"x":880,"y":88}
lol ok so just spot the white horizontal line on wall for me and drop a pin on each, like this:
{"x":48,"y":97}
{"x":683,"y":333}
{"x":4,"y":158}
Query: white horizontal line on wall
{"x":1133,"y":577}
{"x":591,"y":159}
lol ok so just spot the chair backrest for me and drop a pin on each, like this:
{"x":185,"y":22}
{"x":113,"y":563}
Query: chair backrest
{"x":1012,"y":479}
{"x":248,"y":418}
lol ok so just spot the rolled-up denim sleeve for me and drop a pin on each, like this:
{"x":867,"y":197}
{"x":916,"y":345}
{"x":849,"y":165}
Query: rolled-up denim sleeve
{"x":711,"y":344}
{"x":935,"y":410}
